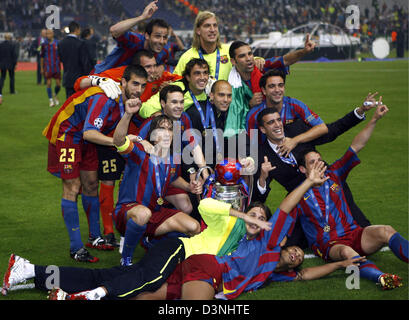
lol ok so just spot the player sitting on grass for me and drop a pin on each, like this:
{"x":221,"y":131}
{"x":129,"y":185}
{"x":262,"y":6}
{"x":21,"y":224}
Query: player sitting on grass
{"x":258,"y":258}
{"x":326,"y":219}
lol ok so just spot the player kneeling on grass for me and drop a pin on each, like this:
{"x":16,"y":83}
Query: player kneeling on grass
{"x":326,"y":218}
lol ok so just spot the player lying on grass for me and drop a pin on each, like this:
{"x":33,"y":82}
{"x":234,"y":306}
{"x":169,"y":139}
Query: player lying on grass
{"x":260,"y":253}
{"x":225,"y":227}
{"x":326,"y":218}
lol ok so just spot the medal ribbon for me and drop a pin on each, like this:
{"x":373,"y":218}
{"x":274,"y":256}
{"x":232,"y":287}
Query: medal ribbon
{"x":159,"y":188}
{"x":317,"y":206}
{"x":290,"y":160}
{"x":205,"y":121}
{"x":217,"y":62}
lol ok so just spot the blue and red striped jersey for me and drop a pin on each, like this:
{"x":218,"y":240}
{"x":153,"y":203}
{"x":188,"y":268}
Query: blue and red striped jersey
{"x":314,"y":215}
{"x":292,"y":109}
{"x":49,"y":51}
{"x":127,"y":45}
{"x":89,"y":109}
{"x":139,"y":183}
{"x":253,"y":262}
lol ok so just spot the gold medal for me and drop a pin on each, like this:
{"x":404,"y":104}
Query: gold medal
{"x":204,"y":133}
{"x":327,"y":228}
{"x":159,"y":201}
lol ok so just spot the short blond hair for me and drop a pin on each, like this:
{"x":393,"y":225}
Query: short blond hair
{"x":200,"y":18}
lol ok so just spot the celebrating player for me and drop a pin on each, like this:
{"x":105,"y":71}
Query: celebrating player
{"x":84,"y":120}
{"x":326,"y":218}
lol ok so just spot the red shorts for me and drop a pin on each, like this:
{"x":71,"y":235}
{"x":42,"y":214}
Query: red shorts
{"x":171,"y":190}
{"x":352,"y":239}
{"x":202,"y":267}
{"x":155,"y":221}
{"x":67,"y":159}
{"x":52,"y":75}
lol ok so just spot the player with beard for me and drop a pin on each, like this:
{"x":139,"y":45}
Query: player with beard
{"x":153,"y":39}
{"x":86,"y":119}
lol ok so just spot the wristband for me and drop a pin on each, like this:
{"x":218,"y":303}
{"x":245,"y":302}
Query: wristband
{"x":125,"y":146}
{"x":94,"y":80}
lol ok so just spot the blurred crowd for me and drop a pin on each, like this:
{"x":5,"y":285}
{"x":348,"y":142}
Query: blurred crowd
{"x":25,"y":18}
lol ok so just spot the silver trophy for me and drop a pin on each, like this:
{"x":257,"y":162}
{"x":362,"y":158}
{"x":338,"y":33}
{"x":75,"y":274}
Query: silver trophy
{"x":237,"y":193}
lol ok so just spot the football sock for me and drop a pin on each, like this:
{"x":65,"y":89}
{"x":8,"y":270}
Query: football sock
{"x":49,"y":93}
{"x":95,"y":294}
{"x":91,"y":208}
{"x":133,"y":234}
{"x":70,"y":214}
{"x":57,"y":89}
{"x":106,"y":205}
{"x":369,"y":270}
{"x":29,"y":271}
{"x":399,"y":246}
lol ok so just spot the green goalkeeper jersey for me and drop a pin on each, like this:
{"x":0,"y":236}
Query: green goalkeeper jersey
{"x":222,"y":234}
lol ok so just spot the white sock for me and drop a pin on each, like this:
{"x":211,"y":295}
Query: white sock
{"x":29,"y":270}
{"x":96,"y":294}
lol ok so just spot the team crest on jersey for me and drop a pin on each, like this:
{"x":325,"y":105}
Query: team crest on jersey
{"x":289,"y":121}
{"x":172,"y":170}
{"x":98,"y":123}
{"x":224,"y":59}
{"x":335,"y":187}
{"x":68,"y":168}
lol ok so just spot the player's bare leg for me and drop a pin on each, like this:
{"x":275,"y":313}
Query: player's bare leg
{"x":181,"y":202}
{"x":197,"y":290}
{"x":180,"y":222}
{"x":375,"y":237}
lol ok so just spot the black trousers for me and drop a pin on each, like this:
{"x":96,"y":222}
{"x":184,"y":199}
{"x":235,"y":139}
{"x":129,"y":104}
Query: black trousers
{"x":3,"y":78}
{"x":39,"y":74}
{"x":69,"y":92}
{"x":122,"y":283}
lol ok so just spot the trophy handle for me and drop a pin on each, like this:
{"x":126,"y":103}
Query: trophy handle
{"x":199,"y":172}
{"x":198,"y":175}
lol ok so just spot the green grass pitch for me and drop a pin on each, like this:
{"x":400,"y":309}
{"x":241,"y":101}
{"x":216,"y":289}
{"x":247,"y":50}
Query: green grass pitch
{"x":31,"y":223}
